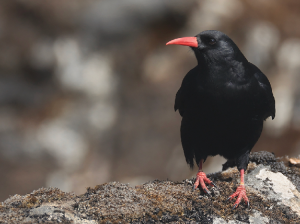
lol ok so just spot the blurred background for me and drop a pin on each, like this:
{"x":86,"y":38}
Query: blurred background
{"x":87,"y":88}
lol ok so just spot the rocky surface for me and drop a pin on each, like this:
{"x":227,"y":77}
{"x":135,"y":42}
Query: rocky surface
{"x":272,"y":187}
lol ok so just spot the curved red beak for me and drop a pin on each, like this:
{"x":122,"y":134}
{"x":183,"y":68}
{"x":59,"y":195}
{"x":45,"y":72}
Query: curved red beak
{"x":186,"y":41}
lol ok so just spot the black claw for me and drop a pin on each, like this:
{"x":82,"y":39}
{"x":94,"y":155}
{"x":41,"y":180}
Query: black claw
{"x":194,"y":188}
{"x":214,"y":185}
{"x":234,"y":206}
{"x":206,"y":191}
{"x":228,"y":199}
{"x":248,"y":205}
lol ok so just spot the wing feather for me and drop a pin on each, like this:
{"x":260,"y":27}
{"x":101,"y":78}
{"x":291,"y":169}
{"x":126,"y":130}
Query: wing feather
{"x":267,"y":89}
{"x":183,"y":93}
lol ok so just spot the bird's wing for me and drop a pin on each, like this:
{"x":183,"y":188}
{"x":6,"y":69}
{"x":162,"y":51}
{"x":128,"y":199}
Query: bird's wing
{"x":184,"y":91}
{"x":179,"y":102}
{"x":267,"y":90}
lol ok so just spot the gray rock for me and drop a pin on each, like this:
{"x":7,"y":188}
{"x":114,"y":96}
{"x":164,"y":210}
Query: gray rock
{"x":258,"y":218}
{"x":274,"y":186}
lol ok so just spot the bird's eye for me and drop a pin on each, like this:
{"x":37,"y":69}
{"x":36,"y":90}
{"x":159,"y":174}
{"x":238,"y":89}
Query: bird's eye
{"x":212,"y":41}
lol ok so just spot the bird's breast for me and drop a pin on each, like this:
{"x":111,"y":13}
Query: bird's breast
{"x":227,"y":101}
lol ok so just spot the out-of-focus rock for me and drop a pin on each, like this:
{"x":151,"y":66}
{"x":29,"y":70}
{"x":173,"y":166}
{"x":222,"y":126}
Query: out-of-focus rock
{"x":294,"y":162}
{"x":261,"y":43}
{"x":211,"y":15}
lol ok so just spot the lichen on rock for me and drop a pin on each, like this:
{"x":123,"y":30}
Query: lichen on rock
{"x":273,"y":195}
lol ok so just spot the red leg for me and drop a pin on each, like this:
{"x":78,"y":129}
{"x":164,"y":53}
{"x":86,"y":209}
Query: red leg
{"x":202,"y":179}
{"x":240,"y":192}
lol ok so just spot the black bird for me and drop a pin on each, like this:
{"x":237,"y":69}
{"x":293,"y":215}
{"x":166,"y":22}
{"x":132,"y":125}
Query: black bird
{"x":223,"y":102}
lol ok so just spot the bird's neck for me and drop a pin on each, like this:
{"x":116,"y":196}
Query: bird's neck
{"x":225,"y":70}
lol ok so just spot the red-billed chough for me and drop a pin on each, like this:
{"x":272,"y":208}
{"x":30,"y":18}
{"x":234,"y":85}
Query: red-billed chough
{"x":223,"y":102}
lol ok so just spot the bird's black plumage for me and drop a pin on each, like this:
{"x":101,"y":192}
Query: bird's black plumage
{"x":223,"y":102}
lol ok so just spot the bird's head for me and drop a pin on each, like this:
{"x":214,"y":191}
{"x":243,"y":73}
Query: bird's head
{"x":211,"y":46}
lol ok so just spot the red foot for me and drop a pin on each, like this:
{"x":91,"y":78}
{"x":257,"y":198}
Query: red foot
{"x":201,"y":178}
{"x":241,"y":193}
